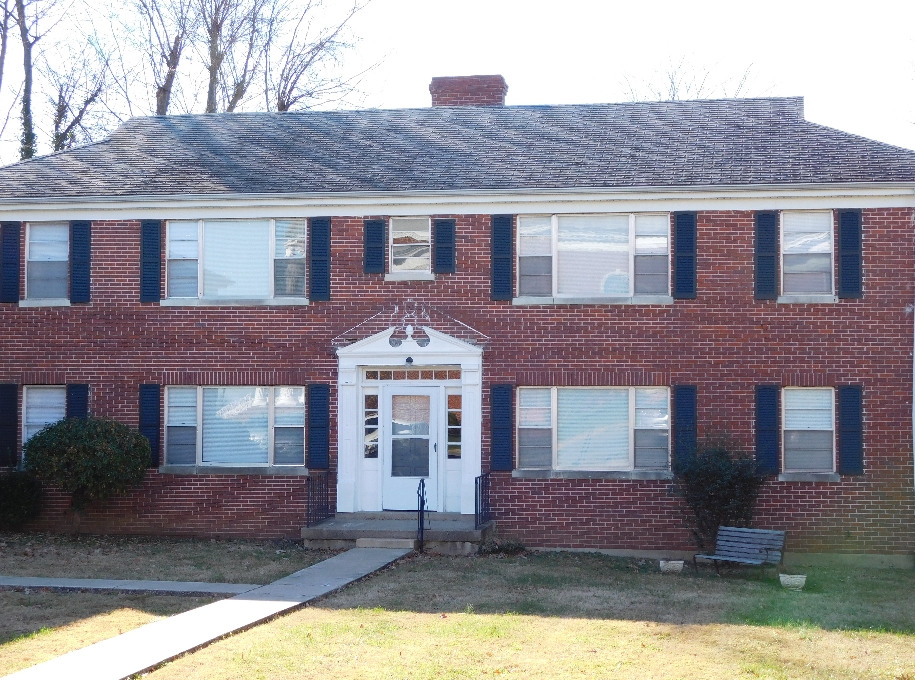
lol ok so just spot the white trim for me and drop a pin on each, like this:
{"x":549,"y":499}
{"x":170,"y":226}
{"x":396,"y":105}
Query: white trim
{"x":248,"y":302}
{"x":488,"y":201}
{"x":531,"y":300}
{"x":410,"y":276}
{"x":45,"y":302}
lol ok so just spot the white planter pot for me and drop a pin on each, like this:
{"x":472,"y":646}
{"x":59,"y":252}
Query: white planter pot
{"x":671,"y":566}
{"x":793,"y":581}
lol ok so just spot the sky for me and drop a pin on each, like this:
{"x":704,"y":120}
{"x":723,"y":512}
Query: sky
{"x":854,"y":63}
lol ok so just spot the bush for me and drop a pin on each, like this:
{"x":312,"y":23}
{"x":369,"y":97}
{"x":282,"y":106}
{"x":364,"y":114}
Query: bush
{"x":720,"y":485}
{"x":92,"y":459}
{"x":502,"y":546}
{"x":20,"y":499}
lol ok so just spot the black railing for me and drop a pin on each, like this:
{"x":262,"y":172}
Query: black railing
{"x":421,"y":514}
{"x":482,"y":510}
{"x":318,"y":498}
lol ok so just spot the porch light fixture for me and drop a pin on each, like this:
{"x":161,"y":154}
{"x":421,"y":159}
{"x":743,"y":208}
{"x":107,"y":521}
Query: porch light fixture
{"x":409,"y":361}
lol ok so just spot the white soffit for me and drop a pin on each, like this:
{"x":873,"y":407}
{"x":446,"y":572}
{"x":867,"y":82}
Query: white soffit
{"x":463,"y":203}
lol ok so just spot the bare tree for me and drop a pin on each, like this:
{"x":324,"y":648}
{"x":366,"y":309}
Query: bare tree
{"x":298,"y":71}
{"x":32,"y":17}
{"x":74,"y":94}
{"x":682,"y":80}
{"x":5,"y":16}
{"x":167,"y":24}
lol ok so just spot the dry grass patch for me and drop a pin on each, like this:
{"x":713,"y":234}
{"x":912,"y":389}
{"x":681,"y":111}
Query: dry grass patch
{"x":561,"y":615}
{"x":36,"y":627}
{"x":162,"y":559}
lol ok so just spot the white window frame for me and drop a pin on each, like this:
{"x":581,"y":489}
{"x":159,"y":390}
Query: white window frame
{"x":782,"y":409}
{"x":554,"y":256}
{"x":781,"y":256}
{"x":200,"y":299}
{"x":554,"y":416}
{"x":271,"y":425}
{"x":27,"y":301}
{"x":26,"y":389}
{"x":413,"y":274}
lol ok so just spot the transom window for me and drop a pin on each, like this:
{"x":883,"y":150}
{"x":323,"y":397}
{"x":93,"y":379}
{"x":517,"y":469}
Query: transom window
{"x":236,"y":259}
{"x":613,"y":255}
{"x":42,"y":406}
{"x":443,"y":373}
{"x":250,"y":426}
{"x":48,"y":261}
{"x":807,"y":252}
{"x":584,"y":428}
{"x":411,"y":244}
{"x":808,"y":429}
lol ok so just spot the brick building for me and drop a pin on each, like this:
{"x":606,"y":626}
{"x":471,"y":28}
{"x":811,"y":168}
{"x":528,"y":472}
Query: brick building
{"x":566,"y":296}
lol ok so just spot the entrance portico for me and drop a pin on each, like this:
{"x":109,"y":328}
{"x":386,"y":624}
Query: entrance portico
{"x":408,"y":410}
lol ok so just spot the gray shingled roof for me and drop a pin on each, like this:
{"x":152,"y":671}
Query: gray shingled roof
{"x":655,"y":144}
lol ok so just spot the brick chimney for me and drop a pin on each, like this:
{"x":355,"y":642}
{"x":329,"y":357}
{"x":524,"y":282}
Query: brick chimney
{"x":468,"y":91}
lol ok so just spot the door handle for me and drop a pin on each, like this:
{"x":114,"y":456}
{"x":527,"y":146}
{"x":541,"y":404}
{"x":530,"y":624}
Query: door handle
{"x":435,"y":447}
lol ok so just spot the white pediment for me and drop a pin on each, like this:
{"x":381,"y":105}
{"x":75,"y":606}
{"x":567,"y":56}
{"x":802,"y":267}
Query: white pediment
{"x":434,"y":348}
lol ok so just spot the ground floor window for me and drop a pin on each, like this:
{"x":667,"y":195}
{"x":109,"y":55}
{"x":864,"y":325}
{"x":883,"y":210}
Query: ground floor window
{"x":250,"y":426}
{"x":808,"y":429}
{"x":42,"y":406}
{"x":588,"y":428}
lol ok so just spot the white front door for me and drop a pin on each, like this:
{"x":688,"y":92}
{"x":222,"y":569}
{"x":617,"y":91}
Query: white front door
{"x":409,"y":445}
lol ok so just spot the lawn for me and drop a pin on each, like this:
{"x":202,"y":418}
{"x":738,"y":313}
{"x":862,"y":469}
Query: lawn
{"x":37,"y":626}
{"x":555,"y":615}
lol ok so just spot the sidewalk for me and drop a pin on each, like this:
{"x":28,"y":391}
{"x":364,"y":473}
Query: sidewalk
{"x":140,"y":649}
{"x":64,"y":585}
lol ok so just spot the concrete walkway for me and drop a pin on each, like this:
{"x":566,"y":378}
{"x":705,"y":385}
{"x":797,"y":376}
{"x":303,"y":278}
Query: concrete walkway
{"x":64,"y":585}
{"x":143,"y":648}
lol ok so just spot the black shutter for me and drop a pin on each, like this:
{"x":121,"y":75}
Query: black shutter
{"x":80,"y":255}
{"x":374,"y":247}
{"x":9,"y":261}
{"x":684,"y":421}
{"x":767,"y":433}
{"x":319,"y":426}
{"x":766,"y":287}
{"x":850,"y":265}
{"x":77,"y":401}
{"x":9,"y":424}
{"x":503,"y":263}
{"x":319,"y":260}
{"x":851,"y":440}
{"x":150,"y":260}
{"x":149,"y":419}
{"x":444,"y":237}
{"x":685,"y":256}
{"x":501,"y":411}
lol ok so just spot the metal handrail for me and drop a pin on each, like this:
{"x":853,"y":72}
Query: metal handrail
{"x":421,"y":514}
{"x":318,"y":498}
{"x":482,"y":508}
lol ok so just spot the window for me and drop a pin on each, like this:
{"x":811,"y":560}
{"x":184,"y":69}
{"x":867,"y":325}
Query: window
{"x":584,"y":428}
{"x":807,"y":247}
{"x":808,"y":436}
{"x":616,"y":255}
{"x":454,"y":425}
{"x":236,"y":259}
{"x":42,"y":406}
{"x":48,"y":261}
{"x":411,"y":244}
{"x":250,"y":426}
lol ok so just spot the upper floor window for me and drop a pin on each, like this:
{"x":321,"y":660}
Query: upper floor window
{"x":586,"y":428}
{"x":236,"y":259}
{"x":411,"y":244}
{"x":48,"y":261}
{"x":613,"y":255}
{"x":808,"y":429}
{"x":807,"y":252}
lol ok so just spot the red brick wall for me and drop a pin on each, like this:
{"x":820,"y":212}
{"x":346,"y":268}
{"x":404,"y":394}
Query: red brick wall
{"x":725,"y":342}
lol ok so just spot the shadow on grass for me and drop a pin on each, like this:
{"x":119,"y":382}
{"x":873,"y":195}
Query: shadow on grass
{"x":596,"y":586}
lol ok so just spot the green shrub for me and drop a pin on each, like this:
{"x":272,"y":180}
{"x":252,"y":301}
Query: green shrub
{"x":92,"y":459}
{"x":20,"y":499}
{"x":720,"y":485}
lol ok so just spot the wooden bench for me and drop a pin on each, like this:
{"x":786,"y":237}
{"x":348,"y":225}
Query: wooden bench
{"x":757,"y":547}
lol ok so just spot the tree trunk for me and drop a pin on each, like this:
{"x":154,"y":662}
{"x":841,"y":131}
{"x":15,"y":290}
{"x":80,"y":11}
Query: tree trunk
{"x":164,"y":92}
{"x":27,"y":150}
